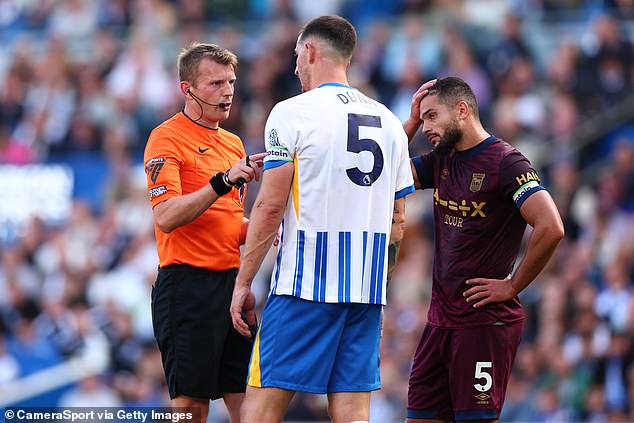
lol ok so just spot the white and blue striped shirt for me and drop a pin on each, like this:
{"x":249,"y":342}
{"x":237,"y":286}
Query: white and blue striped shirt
{"x":351,"y":162}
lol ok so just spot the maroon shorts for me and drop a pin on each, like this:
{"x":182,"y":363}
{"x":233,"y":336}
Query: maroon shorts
{"x":461,"y":374}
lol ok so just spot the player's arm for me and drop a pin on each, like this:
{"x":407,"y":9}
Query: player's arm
{"x":396,"y":236}
{"x":183,"y":209}
{"x":417,"y":184}
{"x":412,"y":123}
{"x":422,"y":168}
{"x":540,"y":212}
{"x":266,"y":217}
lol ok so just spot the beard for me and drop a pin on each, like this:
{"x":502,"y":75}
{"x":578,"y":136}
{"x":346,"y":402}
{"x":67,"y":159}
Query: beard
{"x":448,"y":141}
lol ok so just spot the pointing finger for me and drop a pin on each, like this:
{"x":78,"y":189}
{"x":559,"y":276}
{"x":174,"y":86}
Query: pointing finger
{"x":257,"y":157}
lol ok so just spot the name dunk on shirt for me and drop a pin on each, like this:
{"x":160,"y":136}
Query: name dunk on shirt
{"x":355,"y":97}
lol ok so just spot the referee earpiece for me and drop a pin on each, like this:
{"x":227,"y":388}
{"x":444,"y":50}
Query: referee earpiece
{"x":199,"y":100}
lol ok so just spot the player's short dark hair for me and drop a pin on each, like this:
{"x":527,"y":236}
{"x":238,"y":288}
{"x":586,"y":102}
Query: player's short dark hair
{"x":334,"y":30}
{"x":451,"y":90}
{"x":191,"y":56}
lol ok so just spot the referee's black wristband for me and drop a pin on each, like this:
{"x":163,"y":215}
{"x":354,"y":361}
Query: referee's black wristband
{"x":218,"y":184}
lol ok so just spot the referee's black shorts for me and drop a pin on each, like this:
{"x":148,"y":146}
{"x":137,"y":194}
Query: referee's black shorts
{"x":203,"y":355}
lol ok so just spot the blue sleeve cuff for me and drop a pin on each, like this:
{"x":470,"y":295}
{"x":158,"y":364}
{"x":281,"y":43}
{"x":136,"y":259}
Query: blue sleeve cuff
{"x":424,"y":177}
{"x":405,"y":191}
{"x":528,"y":194}
{"x":270,"y":164}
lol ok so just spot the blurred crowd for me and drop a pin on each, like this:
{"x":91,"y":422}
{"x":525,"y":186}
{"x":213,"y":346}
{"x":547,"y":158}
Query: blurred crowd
{"x":85,"y":81}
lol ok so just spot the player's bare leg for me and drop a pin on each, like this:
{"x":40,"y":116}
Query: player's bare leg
{"x":346,"y":407}
{"x":202,"y":404}
{"x":265,"y":405}
{"x":233,"y":401}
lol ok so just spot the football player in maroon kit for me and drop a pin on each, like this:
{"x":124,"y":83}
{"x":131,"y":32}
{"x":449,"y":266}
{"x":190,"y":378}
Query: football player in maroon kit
{"x":485,"y":192}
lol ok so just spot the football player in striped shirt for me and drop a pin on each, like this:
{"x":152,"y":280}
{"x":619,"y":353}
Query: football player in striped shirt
{"x":336,"y":176}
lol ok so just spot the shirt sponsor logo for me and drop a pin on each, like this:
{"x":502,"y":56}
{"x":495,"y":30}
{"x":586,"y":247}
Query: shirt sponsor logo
{"x":156,"y":191}
{"x":476,"y":182}
{"x":527,"y":177}
{"x":153,"y":167}
{"x":453,"y":220}
{"x":274,"y":141}
{"x":471,"y":209}
{"x":278,"y":153}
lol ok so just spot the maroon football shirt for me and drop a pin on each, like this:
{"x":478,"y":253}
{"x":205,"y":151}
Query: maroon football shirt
{"x":478,"y":228}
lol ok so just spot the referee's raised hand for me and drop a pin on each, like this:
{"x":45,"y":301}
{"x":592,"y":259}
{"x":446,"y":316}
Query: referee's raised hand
{"x":246,"y":169}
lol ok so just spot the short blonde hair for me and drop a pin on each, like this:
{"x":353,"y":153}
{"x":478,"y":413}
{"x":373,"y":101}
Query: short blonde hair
{"x":190,"y":57}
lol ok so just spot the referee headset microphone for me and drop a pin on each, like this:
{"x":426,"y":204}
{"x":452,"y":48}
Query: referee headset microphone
{"x":198,"y":99}
{"x":238,"y":184}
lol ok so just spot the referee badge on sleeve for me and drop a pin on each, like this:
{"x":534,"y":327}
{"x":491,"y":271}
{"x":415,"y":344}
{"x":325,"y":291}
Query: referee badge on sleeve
{"x":153,"y":167}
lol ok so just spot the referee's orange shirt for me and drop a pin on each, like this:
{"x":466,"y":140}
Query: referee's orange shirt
{"x":180,"y":157}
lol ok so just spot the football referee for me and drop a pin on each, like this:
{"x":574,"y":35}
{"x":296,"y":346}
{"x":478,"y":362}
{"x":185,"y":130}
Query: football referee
{"x":196,"y":173}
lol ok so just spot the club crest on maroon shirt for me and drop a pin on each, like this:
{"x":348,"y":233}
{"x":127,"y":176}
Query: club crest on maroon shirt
{"x":476,"y":182}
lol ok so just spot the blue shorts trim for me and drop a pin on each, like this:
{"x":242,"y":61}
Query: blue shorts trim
{"x":476,"y":415}
{"x":459,"y":415}
{"x":421,"y":414}
{"x":317,"y":347}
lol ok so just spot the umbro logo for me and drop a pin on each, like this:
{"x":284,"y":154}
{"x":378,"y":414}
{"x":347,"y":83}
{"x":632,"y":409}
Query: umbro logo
{"x":202,"y":150}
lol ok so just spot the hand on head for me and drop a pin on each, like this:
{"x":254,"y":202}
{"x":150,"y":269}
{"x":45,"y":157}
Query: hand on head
{"x":418,"y":97}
